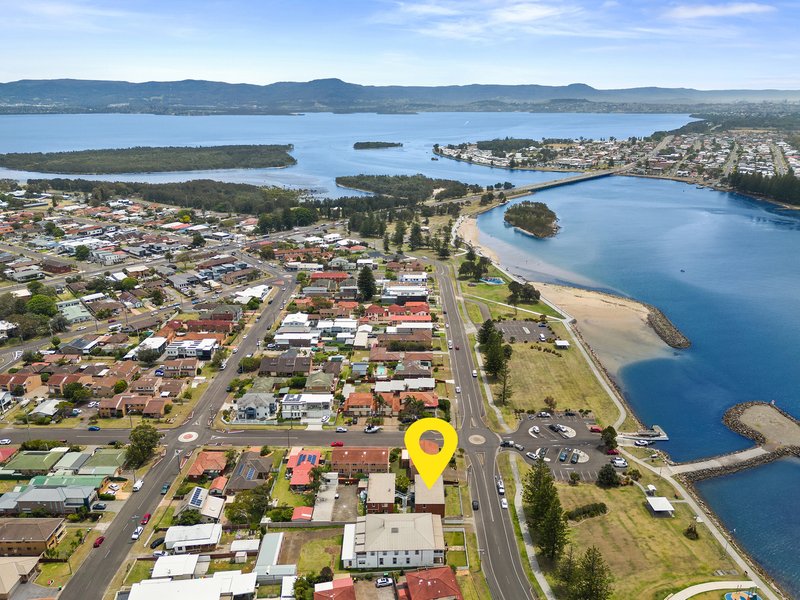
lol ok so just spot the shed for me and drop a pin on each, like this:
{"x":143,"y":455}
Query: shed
{"x":660,"y":506}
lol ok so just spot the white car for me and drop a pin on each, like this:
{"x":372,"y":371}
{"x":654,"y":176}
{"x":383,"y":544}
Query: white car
{"x":532,"y":455}
{"x":503,"y":503}
{"x":137,"y":532}
{"x":113,"y":486}
{"x":619,"y":462}
{"x":5,"y":442}
{"x":641,"y":443}
{"x":535,"y":429}
{"x":458,"y":389}
{"x":341,"y":430}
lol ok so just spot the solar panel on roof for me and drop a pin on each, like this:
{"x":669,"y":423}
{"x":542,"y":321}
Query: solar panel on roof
{"x":250,"y":472}
{"x":312,"y":460}
{"x":195,"y":499}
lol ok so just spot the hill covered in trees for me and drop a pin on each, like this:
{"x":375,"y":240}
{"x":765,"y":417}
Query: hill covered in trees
{"x":535,"y":218}
{"x":151,"y":159}
{"x":415,"y":188}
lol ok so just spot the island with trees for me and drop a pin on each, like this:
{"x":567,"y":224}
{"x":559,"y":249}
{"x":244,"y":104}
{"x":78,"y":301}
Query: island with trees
{"x":151,"y":159}
{"x":534,"y":218}
{"x":416,"y":188}
{"x":376,"y":145}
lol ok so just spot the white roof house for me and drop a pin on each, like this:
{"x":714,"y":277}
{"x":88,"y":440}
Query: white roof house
{"x":166,"y":589}
{"x":186,"y":537}
{"x":405,"y":385}
{"x":295,"y":319}
{"x":176,"y":566}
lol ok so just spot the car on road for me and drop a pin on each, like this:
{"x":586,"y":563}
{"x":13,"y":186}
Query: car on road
{"x":145,"y":519}
{"x":544,"y":415}
{"x":337,"y":444}
{"x":160,"y":553}
{"x":450,"y":344}
{"x":137,"y":532}
{"x":157,"y":542}
{"x":612,"y":451}
{"x":447,"y":326}
{"x":535,"y":429}
{"x":474,"y":373}
{"x":99,"y":541}
{"x":458,"y":389}
{"x":501,"y":489}
{"x":503,"y":503}
{"x":5,"y":442}
{"x":474,"y":505}
{"x":372,"y":429}
{"x":384,"y":582}
{"x":619,"y":462}
{"x":563,"y":455}
{"x":640,"y":443}
{"x":164,"y":489}
{"x":532,"y":455}
{"x":457,"y":347}
{"x":94,"y":428}
{"x":99,"y":506}
{"x":341,"y":430}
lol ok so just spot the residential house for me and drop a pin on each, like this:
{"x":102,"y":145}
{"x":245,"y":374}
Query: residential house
{"x":34,"y":462}
{"x":340,"y":588}
{"x":188,"y":348}
{"x":258,"y":404}
{"x":209,"y":463}
{"x":359,"y":404}
{"x":212,"y":325}
{"x":107,"y":462}
{"x":380,"y":493}
{"x":26,"y":381}
{"x":319,"y":382}
{"x":350,"y":461}
{"x":429,"y":500}
{"x":393,"y":541}
{"x":55,"y":501}
{"x":209,"y":506}
{"x":180,"y":367}
{"x":306,"y":406}
{"x":181,"y":539}
{"x":15,"y":570}
{"x":287,"y":364}
{"x":251,"y":470}
{"x":431,"y":584}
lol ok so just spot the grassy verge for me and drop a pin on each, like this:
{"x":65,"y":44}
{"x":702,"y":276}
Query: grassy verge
{"x":473,"y":583}
{"x":452,"y":501}
{"x":139,"y":571}
{"x":59,"y":573}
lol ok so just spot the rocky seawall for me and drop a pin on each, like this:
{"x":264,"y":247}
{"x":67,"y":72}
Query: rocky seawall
{"x":665,"y":329}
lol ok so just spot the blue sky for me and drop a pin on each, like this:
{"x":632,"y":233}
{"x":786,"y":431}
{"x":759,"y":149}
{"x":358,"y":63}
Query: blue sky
{"x":607,"y":44}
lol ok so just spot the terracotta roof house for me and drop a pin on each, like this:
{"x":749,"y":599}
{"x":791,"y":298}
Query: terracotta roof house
{"x":342,"y":588}
{"x":302,"y":513}
{"x":433,"y":584}
{"x":359,"y":404}
{"x":209,"y":463}
{"x":349,"y":461}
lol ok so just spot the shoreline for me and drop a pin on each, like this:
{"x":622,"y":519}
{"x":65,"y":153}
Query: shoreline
{"x":624,"y":332}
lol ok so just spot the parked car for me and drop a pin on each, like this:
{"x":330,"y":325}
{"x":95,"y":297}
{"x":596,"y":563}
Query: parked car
{"x":99,"y":541}
{"x":5,"y":442}
{"x":159,"y":553}
{"x":640,"y":443}
{"x":574,"y":459}
{"x":137,"y":532}
{"x":519,"y":447}
{"x":341,"y":430}
{"x":570,"y":413}
{"x":535,"y":429}
{"x":157,"y":542}
{"x":384,"y":582}
{"x":337,"y":444}
{"x":596,"y":429}
{"x":145,"y":519}
{"x":94,"y":428}
{"x":553,"y":427}
{"x":372,"y":429}
{"x":619,"y":462}
{"x":612,"y":451}
{"x":503,"y":503}
{"x":474,"y":373}
{"x":164,"y":489}
{"x":532,"y":455}
{"x":99,"y":506}
{"x":563,"y":455}
{"x":507,"y":444}
{"x":474,"y":505}
{"x":113,"y":486}
{"x":544,"y":415}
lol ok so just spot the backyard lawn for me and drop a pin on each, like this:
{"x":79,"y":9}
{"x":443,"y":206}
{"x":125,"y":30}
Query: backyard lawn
{"x":457,"y":558}
{"x":452,"y":501}
{"x":454,"y":538}
{"x":282,"y":493}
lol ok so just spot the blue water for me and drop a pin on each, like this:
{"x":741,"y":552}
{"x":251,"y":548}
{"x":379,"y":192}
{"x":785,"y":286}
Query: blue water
{"x":323,"y":142}
{"x":724,"y":269}
{"x":744,"y":503}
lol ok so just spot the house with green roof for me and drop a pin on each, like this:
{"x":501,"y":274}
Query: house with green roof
{"x":51,"y":481}
{"x":34,"y":462}
{"x":106,"y":462}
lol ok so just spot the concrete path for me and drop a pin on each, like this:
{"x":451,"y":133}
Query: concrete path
{"x":711,"y":586}
{"x":720,"y":461}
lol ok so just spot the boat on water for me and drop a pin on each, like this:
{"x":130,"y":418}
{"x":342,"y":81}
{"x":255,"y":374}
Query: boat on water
{"x":434,"y":158}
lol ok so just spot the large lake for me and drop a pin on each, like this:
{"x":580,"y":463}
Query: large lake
{"x":722,"y":267}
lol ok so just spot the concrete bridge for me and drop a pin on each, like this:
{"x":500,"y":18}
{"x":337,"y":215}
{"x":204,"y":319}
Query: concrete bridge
{"x":535,"y":187}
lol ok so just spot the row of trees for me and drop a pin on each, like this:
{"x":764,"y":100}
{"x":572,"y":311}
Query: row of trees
{"x":496,"y":356}
{"x":783,"y":188}
{"x":581,"y":577}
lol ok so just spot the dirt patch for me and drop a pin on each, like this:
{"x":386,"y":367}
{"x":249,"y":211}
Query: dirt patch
{"x":346,"y":506}
{"x":366,"y":590}
{"x":776,"y":427}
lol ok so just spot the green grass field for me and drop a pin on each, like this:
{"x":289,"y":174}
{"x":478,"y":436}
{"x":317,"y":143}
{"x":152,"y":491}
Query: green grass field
{"x":454,"y":538}
{"x":457,"y":558}
{"x":282,"y":493}
{"x":452,"y":504}
{"x":321,"y":552}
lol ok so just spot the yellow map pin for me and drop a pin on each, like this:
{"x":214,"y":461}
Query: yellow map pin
{"x":431,"y":466}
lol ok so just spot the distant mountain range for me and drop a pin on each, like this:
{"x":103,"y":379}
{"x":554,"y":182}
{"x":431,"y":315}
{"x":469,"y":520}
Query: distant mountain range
{"x":334,"y":95}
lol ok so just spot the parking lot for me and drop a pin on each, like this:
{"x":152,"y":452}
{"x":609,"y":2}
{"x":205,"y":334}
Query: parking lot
{"x":578,"y":440}
{"x":524,"y":331}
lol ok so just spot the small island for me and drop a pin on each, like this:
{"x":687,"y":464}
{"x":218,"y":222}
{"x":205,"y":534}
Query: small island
{"x":375,"y":145}
{"x":534,"y":218}
{"x":151,"y":159}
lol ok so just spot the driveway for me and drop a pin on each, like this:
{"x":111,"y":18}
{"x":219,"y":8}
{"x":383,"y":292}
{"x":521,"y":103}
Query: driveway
{"x":30,"y":591}
{"x":326,"y":498}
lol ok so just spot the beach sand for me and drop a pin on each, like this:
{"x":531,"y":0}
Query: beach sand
{"x":616,"y":328}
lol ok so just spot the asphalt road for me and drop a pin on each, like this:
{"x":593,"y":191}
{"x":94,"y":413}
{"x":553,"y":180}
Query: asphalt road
{"x":500,"y":558}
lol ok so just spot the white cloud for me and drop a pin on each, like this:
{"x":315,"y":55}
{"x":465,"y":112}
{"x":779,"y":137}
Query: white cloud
{"x":734,"y":9}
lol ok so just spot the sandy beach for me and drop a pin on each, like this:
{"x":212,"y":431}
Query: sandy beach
{"x":616,"y":328}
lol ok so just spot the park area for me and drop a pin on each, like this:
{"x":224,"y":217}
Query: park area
{"x":649,"y":557}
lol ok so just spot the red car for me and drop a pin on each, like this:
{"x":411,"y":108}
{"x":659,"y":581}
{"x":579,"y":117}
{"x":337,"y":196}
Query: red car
{"x":337,"y":444}
{"x":99,"y":541}
{"x":145,"y":519}
{"x":457,"y":348}
{"x":612,"y":451}
{"x":596,"y":429}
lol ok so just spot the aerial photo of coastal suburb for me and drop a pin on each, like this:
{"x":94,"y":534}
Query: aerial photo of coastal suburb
{"x":399,"y":300}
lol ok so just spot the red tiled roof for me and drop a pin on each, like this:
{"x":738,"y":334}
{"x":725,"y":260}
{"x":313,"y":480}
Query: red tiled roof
{"x":6,"y":452}
{"x":302,"y":513}
{"x":219,"y":483}
{"x":340,"y":589}
{"x":432,"y":584}
{"x":309,"y":457}
{"x":359,"y":400}
{"x":207,"y":461}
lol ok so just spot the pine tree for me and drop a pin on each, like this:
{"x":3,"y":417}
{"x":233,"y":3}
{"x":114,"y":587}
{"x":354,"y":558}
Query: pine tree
{"x":485,"y":331}
{"x":399,"y":234}
{"x":470,"y":256}
{"x":552,"y":531}
{"x":594,"y":576}
{"x":495,"y":357}
{"x":505,"y":383}
{"x":568,"y":573}
{"x":537,"y":489}
{"x":366,"y":284}
{"x":386,"y":242}
{"x":415,"y":237}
